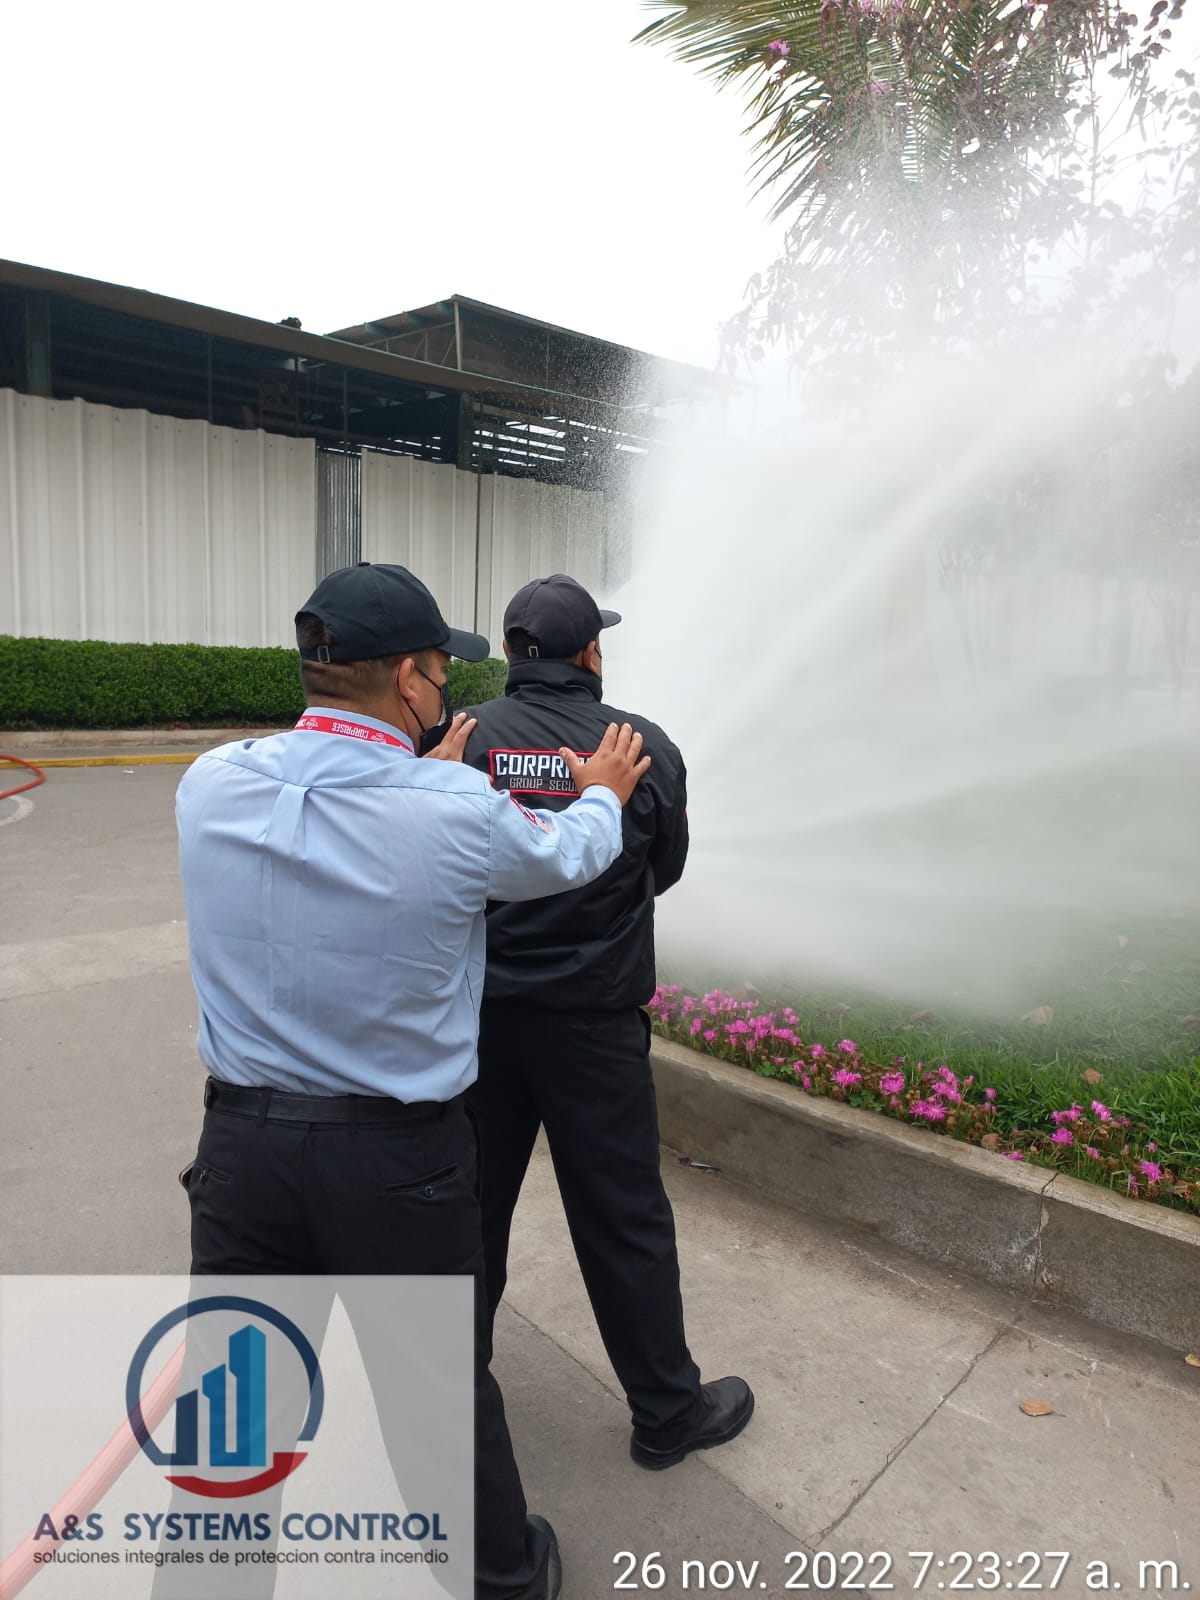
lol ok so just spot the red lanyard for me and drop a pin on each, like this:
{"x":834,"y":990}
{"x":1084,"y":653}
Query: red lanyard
{"x":349,"y":730}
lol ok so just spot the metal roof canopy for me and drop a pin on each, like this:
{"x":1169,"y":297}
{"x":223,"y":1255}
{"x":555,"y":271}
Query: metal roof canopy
{"x":65,"y":336}
{"x":470,"y":335}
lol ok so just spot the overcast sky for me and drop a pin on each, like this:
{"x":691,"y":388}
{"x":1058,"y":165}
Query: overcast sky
{"x":344,"y":162}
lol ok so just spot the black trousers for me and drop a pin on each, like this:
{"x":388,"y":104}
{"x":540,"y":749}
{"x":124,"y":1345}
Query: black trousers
{"x":273,"y":1196}
{"x":585,"y":1076}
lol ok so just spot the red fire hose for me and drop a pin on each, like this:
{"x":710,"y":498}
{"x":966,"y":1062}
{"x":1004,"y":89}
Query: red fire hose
{"x":95,"y":1480}
{"x":39,"y":777}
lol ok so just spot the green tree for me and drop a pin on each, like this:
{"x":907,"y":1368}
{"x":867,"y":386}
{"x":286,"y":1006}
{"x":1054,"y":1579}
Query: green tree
{"x":926,"y":154}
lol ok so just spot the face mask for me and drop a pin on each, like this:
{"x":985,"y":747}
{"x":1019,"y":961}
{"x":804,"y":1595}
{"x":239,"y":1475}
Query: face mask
{"x":432,"y":736}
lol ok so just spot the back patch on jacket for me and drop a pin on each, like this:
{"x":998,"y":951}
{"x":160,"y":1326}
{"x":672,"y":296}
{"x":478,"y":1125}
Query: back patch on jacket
{"x":532,"y":771}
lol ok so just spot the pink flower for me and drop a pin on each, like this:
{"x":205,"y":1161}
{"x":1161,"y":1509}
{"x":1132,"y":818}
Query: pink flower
{"x":1063,"y":1136}
{"x":989,"y":1094}
{"x":710,"y":1034}
{"x":695,"y":1028}
{"x":848,"y":1047}
{"x":1133,"y":1186}
{"x":845,"y":1079}
{"x":930,"y":1110}
{"x":1103,"y":1114}
{"x":817,"y":1051}
{"x":806,"y":1082}
{"x":1151,"y":1146}
{"x":892,"y":1082}
{"x":1059,"y":1117}
{"x":1093,"y":1152}
{"x":1151,"y":1170}
{"x":1013,"y":1155}
{"x":779,"y":47}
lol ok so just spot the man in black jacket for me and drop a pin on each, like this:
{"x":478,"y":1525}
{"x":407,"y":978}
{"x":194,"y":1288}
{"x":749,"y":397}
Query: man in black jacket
{"x":564,"y":1041}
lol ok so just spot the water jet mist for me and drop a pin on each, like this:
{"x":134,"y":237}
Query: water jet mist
{"x":935,"y":674}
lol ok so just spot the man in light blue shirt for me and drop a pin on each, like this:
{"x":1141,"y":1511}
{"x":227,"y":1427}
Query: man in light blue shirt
{"x":335,"y":886}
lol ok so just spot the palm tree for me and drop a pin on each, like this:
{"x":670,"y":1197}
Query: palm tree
{"x":928,"y":144}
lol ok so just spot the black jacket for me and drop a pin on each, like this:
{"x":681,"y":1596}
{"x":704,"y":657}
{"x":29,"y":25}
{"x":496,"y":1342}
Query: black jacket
{"x":591,"y":948}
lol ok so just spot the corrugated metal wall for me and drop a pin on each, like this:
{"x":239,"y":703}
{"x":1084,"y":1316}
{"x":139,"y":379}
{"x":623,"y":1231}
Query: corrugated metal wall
{"x":339,"y":509}
{"x":121,"y":525}
{"x":476,"y":540}
{"x":528,"y":530}
{"x":423,"y":515}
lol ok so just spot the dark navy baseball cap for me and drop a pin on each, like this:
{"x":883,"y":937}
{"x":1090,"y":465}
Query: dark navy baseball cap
{"x":556,"y":617}
{"x":376,"y":609}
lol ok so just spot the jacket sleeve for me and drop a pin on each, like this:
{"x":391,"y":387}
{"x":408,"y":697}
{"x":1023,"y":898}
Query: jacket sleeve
{"x":536,"y":853}
{"x":669,"y":851}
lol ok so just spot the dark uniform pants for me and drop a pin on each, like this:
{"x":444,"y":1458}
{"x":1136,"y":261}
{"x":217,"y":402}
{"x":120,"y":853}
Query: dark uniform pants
{"x":585,"y":1076}
{"x":273,"y":1196}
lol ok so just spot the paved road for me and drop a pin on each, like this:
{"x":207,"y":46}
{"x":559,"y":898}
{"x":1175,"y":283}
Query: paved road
{"x":888,"y":1390}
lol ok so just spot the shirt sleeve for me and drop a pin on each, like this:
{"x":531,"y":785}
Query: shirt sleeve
{"x":536,"y":853}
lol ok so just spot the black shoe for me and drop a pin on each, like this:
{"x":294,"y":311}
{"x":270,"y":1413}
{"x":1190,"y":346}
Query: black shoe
{"x":551,"y":1586}
{"x":728,"y":1406}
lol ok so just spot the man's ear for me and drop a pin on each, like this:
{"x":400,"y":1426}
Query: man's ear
{"x":507,"y":651}
{"x":592,"y":659}
{"x":404,"y":676}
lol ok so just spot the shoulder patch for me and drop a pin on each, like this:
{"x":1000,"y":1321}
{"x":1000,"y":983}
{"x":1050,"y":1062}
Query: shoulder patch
{"x":532,"y":816}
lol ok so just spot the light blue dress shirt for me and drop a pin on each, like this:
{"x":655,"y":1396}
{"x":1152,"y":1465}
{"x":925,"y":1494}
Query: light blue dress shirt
{"x":334,"y":891}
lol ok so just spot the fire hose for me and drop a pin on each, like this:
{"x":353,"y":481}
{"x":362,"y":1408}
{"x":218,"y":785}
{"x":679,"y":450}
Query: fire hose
{"x":39,"y":776}
{"x":93,"y":1482}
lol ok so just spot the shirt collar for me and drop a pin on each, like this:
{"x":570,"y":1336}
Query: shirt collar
{"x":367,"y":722}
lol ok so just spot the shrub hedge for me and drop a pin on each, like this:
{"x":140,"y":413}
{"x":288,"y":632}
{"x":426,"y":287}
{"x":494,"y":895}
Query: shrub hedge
{"x":86,"y":683}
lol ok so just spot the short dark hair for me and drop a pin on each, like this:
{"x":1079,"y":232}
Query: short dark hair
{"x":343,"y":680}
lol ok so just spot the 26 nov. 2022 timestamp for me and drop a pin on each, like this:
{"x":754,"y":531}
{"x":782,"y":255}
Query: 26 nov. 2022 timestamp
{"x":876,"y":1572}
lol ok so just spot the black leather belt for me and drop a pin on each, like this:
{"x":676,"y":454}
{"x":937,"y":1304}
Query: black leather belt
{"x":272,"y":1105}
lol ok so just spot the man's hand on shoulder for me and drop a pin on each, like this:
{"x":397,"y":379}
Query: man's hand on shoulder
{"x":455,"y":742}
{"x":615,"y":764}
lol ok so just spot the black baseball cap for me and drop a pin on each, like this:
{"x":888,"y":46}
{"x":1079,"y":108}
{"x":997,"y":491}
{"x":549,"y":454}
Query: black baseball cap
{"x":376,"y":609}
{"x":558,"y":615}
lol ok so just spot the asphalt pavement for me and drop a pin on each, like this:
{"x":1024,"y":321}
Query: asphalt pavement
{"x":889,"y":1391}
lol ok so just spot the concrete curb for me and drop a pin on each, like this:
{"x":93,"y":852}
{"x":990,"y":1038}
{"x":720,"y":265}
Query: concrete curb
{"x":102,"y":738}
{"x":1052,"y":1238}
{"x":132,"y":759}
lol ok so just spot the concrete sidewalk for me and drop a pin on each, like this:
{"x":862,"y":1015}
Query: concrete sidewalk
{"x":70,"y":747}
{"x":29,"y":742}
{"x":888,"y":1390}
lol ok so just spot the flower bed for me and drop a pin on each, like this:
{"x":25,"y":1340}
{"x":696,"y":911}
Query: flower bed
{"x":1090,"y":1138}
